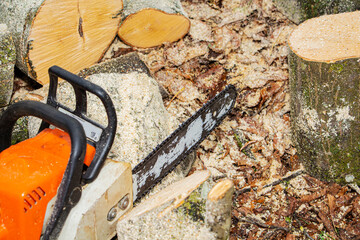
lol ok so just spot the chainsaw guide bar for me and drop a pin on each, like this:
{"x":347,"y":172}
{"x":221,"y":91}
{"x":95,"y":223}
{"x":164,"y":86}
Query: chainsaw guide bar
{"x":168,"y":154}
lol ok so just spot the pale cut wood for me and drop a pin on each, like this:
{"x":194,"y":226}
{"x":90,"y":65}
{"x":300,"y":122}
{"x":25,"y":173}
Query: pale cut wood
{"x":218,"y":208}
{"x":71,"y":34}
{"x":328,"y":38}
{"x":324,"y":74}
{"x":152,"y":23}
{"x":176,"y":193}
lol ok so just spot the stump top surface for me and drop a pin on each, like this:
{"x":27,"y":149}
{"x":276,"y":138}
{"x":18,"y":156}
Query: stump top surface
{"x":328,"y":38}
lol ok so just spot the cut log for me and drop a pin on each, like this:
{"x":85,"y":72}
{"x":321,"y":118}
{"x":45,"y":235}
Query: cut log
{"x":7,"y":63}
{"x":301,"y":10}
{"x":218,"y":208}
{"x":71,"y":34}
{"x":151,"y":23}
{"x":155,"y":217}
{"x":325,"y":95}
{"x":175,"y":194}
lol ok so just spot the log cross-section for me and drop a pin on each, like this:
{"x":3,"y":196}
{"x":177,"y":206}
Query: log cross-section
{"x":73,"y":34}
{"x":151,"y":23}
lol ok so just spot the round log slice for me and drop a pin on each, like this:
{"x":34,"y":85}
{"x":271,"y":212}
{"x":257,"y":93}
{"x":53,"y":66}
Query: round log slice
{"x":151,"y":23}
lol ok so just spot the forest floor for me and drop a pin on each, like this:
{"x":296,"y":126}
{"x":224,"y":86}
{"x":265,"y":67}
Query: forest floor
{"x":243,"y":43}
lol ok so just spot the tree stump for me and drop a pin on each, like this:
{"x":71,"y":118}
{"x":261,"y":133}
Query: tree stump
{"x":151,"y":23}
{"x":71,"y":34}
{"x":7,"y":63}
{"x":300,"y":10}
{"x":325,"y":95}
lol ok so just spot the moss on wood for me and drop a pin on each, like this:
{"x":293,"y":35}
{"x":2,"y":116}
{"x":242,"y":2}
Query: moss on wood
{"x":325,"y":100}
{"x":300,"y":10}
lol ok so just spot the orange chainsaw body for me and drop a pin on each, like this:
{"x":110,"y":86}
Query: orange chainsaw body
{"x":30,"y":174}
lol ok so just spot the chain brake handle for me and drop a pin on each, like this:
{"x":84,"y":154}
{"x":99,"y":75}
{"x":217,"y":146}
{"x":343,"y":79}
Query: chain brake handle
{"x":105,"y":137}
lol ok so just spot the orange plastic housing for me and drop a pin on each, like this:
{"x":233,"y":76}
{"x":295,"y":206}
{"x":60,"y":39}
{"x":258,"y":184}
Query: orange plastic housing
{"x":30,"y":173}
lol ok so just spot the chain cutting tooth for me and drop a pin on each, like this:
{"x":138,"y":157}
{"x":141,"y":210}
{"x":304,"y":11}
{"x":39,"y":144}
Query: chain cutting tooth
{"x":230,"y":89}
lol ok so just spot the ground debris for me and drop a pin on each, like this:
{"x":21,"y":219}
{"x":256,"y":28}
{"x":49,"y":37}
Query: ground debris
{"x":244,"y":43}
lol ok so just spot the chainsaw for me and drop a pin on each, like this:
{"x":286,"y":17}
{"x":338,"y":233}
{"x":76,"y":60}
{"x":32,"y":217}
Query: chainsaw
{"x":59,"y":184}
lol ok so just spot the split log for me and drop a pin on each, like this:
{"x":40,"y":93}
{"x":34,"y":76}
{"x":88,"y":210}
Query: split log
{"x":155,"y":217}
{"x":301,"y":10}
{"x":151,"y":23}
{"x":218,"y":208}
{"x":174,"y":194}
{"x":7,"y":63}
{"x":205,"y":214}
{"x":71,"y":34}
{"x":325,"y":95}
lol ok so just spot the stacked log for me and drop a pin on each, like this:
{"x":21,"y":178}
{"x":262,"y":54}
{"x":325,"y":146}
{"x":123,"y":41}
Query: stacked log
{"x":75,"y":34}
{"x":150,"y":23}
{"x":325,"y":95}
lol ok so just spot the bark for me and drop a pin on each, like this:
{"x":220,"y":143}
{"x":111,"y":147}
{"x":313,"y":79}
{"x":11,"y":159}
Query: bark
{"x":130,"y":62}
{"x":7,"y":63}
{"x":71,"y":34}
{"x":152,"y":23}
{"x":325,"y":96}
{"x":300,"y":10}
{"x":218,"y":208}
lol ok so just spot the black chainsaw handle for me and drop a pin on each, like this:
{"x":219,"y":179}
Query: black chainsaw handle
{"x":81,"y":86}
{"x":69,"y":191}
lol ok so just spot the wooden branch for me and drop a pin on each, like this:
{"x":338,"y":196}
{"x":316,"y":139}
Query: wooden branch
{"x":71,"y":34}
{"x":274,"y":183}
{"x":218,"y":208}
{"x":149,"y":23}
{"x":7,"y":63}
{"x":324,"y":80}
{"x":261,"y":224}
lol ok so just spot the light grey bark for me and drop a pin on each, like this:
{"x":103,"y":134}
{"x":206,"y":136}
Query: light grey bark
{"x":168,"y":6}
{"x":218,"y":208}
{"x":130,"y":62}
{"x":7,"y":63}
{"x":18,"y":15}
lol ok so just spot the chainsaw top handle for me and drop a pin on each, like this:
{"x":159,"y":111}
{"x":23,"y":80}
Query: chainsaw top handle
{"x":69,"y":191}
{"x":104,"y":136}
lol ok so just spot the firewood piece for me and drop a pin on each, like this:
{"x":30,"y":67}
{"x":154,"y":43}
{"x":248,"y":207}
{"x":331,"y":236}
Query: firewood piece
{"x":154,"y":217}
{"x":152,"y":23}
{"x":218,"y":208}
{"x":176,"y":193}
{"x":324,"y":83}
{"x":7,"y":63}
{"x":71,"y":34}
{"x":301,"y":10}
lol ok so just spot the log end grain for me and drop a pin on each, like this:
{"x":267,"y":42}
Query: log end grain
{"x":328,"y":38}
{"x":153,"y":27}
{"x":74,"y":36}
{"x":219,"y":190}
